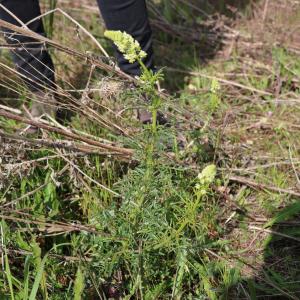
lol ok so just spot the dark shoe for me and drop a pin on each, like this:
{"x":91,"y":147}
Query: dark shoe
{"x":31,"y":130}
{"x":43,"y":103}
{"x":145,"y":117}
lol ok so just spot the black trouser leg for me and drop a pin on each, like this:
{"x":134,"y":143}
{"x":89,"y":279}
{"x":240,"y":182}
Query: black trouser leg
{"x":30,"y":57}
{"x":34,"y":62}
{"x":129,"y":16}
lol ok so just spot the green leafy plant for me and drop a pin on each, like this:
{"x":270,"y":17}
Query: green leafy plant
{"x":79,"y":284}
{"x":133,"y":52}
{"x":158,"y":231}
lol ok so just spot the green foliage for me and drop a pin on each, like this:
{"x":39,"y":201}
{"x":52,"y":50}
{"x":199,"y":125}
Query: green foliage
{"x":165,"y":236}
{"x":39,"y":279}
{"x":49,"y":19}
{"x":79,"y":284}
{"x":20,"y":289}
{"x":286,"y":214}
{"x":9,"y":277}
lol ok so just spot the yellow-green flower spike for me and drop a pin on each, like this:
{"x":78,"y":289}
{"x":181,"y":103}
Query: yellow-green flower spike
{"x":127,"y":45}
{"x":208,"y":175}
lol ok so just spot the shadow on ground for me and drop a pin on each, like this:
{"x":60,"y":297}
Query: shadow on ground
{"x":279,"y":276}
{"x":188,"y":34}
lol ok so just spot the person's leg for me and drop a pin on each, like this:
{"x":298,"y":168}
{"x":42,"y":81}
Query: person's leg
{"x":129,"y":16}
{"x":30,"y":57}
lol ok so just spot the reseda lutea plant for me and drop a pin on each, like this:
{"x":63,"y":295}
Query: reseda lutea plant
{"x":132,"y":51}
{"x":148,"y":80}
{"x":127,"y":45}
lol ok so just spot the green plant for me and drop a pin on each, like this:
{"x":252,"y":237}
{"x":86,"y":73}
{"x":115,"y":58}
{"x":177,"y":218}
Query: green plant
{"x":19,"y":289}
{"x":49,"y":19}
{"x":148,"y":80}
{"x":160,"y":224}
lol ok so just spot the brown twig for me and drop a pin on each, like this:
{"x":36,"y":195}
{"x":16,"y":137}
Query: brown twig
{"x":61,"y":257}
{"x":254,"y":228}
{"x":24,"y":196}
{"x":92,"y":60}
{"x":224,"y":81}
{"x":126,"y":152}
{"x":52,"y":227}
{"x":261,"y":186}
{"x":77,"y":147}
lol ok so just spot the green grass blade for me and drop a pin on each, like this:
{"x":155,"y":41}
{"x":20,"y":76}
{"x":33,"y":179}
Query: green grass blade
{"x":251,"y":289}
{"x":9,"y":276}
{"x":38,"y":279}
{"x":285,"y":214}
{"x":26,"y":278}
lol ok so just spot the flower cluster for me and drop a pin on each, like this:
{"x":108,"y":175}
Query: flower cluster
{"x":127,"y":45}
{"x":205,"y":178}
{"x":215,"y":86}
